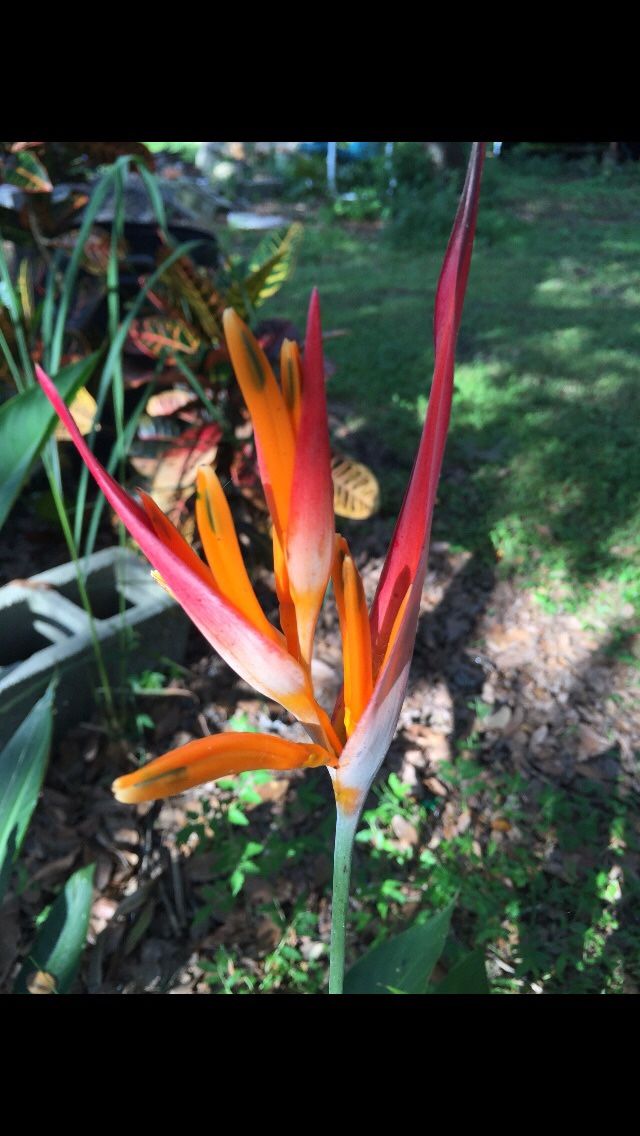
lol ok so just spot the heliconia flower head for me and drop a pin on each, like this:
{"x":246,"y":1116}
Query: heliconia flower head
{"x":292,"y":445}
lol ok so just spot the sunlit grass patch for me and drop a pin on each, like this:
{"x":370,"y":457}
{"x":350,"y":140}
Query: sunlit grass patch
{"x":542,"y":455}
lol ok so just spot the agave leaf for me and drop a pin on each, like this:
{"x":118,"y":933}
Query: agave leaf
{"x":55,"y":955}
{"x":22,"y":766}
{"x":402,"y":964}
{"x":468,"y":976}
{"x":356,"y":492}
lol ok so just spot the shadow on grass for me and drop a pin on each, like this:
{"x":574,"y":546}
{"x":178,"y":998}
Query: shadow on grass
{"x":542,"y":454}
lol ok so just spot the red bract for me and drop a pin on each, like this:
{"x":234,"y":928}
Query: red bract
{"x":292,"y":444}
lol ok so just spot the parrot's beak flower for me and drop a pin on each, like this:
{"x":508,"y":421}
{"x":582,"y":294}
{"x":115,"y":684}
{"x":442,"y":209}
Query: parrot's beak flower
{"x":292,"y":444}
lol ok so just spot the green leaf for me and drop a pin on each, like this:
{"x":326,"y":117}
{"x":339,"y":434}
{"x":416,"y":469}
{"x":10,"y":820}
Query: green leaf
{"x":26,"y":420}
{"x":236,"y":880}
{"x":61,"y":939}
{"x":469,"y":976}
{"x":398,"y":788}
{"x":22,"y":765}
{"x":236,"y":815}
{"x":28,"y":173}
{"x":272,"y":264}
{"x":111,"y":368}
{"x":404,"y":962}
{"x":241,"y":724}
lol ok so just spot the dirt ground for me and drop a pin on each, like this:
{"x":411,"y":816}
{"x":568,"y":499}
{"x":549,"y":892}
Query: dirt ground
{"x":557,"y":707}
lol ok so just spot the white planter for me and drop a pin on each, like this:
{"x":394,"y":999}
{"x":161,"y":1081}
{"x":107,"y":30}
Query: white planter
{"x":44,"y":628}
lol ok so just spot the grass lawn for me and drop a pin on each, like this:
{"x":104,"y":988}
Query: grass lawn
{"x":542,"y":465}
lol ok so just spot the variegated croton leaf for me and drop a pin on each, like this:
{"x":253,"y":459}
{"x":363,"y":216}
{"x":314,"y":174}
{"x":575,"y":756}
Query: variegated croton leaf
{"x":271,"y":264}
{"x":186,"y":281}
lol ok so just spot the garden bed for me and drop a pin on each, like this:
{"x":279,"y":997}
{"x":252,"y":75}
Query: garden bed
{"x":514,"y":778}
{"x":516,"y":783}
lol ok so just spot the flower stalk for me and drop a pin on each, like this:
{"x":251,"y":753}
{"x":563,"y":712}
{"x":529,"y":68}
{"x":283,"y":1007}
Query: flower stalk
{"x":346,"y":827}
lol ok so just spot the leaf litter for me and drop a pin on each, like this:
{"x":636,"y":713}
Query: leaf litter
{"x":549,"y":696}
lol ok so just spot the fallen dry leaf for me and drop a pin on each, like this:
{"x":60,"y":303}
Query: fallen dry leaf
{"x":436,"y":787}
{"x":258,"y":890}
{"x":538,"y":737}
{"x":499,"y":824}
{"x":275,"y":790}
{"x":590,"y":743}
{"x":497,"y":721}
{"x":406,"y":833}
{"x":83,"y":411}
{"x":40,"y":982}
{"x":435,"y":743}
{"x":268,"y":934}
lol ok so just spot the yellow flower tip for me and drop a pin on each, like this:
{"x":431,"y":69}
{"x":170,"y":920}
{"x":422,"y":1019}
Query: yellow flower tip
{"x":134,"y":788}
{"x":159,"y":580}
{"x":230,"y":318}
{"x":125,"y":795}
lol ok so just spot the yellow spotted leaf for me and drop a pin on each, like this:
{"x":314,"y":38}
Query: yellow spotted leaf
{"x":356,"y":493}
{"x":28,"y":173}
{"x":273,"y":262}
{"x":188,"y":281}
{"x":83,"y":411}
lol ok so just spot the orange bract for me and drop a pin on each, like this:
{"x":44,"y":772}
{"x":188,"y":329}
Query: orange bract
{"x":222,"y":550}
{"x":217,"y":756}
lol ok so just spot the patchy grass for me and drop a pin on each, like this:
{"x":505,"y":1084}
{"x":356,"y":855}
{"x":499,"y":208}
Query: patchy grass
{"x":540,"y":889}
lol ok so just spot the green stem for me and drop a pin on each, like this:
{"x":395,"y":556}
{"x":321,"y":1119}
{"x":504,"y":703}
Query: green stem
{"x":346,"y":825}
